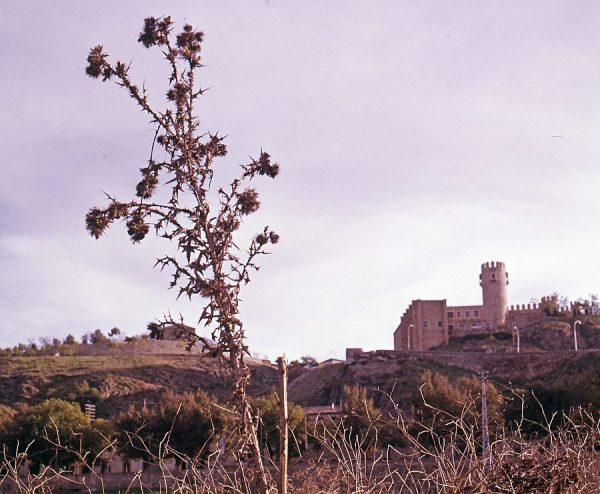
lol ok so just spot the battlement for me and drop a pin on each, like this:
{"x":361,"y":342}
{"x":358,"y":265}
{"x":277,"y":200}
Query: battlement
{"x":525,"y":307}
{"x":492,"y":265}
{"x":427,"y":323}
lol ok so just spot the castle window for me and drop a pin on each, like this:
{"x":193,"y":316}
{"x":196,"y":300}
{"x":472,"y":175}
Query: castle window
{"x":440,"y":324}
{"x":451,"y":315}
{"x":425,"y":323}
{"x":475,"y":313}
{"x":450,"y":327}
{"x":468,"y":313}
{"x":457,"y":313}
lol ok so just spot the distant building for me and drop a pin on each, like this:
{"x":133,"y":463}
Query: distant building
{"x":331,"y":361}
{"x":429,"y":323}
{"x":323,"y":413}
{"x":175,"y":332}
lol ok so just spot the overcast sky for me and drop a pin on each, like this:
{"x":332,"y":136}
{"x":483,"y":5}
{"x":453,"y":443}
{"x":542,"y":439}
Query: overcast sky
{"x":416,"y":139}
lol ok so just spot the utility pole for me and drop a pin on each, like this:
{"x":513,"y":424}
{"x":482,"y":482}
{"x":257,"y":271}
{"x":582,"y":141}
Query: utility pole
{"x":485,"y":433}
{"x":575,"y":324}
{"x":283,"y":426}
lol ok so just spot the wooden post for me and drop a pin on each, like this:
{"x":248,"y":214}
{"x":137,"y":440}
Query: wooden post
{"x":485,"y":434}
{"x":283,"y":426}
{"x":305,"y":433}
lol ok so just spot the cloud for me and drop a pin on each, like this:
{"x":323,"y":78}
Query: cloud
{"x":416,"y":141}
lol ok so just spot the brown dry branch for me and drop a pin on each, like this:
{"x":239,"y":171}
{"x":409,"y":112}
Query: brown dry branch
{"x":207,"y":263}
{"x":564,"y":459}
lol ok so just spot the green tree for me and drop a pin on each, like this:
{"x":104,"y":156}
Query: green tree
{"x":267,"y":408}
{"x":454,"y":407}
{"x":81,"y":391}
{"x":70,"y":340}
{"x":189,"y":424}
{"x":56,"y":432}
{"x":304,"y":361}
{"x":98,"y":437}
{"x":97,"y":336}
{"x":136,"y":437}
{"x":362,"y":420}
{"x":7,"y":415}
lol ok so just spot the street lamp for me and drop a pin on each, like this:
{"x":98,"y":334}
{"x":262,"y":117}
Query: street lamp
{"x":575,"y":333}
{"x":518,"y":339}
{"x":410,"y":326}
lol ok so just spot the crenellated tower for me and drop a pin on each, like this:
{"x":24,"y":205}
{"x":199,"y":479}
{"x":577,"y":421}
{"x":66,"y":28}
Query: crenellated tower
{"x":493,"y":281}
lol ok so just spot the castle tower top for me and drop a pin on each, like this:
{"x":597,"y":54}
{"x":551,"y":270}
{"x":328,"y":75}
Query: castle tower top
{"x":493,"y":281}
{"x":492,"y":265}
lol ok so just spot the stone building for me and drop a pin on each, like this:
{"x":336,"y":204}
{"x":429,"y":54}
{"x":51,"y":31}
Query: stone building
{"x":429,"y":323}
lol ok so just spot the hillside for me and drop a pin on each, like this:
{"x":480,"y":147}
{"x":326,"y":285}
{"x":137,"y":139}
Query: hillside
{"x":566,"y":378}
{"x":552,"y":335}
{"x":115,"y":382}
{"x":117,"y":376}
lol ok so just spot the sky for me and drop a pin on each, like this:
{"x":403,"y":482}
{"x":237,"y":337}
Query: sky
{"x":416,"y":140}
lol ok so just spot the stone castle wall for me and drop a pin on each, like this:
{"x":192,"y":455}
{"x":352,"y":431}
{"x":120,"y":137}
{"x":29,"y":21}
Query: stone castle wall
{"x":429,"y":323}
{"x":524,"y":315}
{"x":423,"y":325}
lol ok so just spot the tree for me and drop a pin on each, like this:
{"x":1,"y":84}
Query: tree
{"x":297,"y":367}
{"x":267,"y":408}
{"x":7,"y":415}
{"x":202,"y":224}
{"x":70,"y":340}
{"x":98,"y":336}
{"x":305,"y":361}
{"x":45,"y":426}
{"x":594,"y":306}
{"x":361,"y":417}
{"x":115,"y":333}
{"x":82,"y":392}
{"x":454,"y":407}
{"x":194,"y":424}
{"x":189,"y":424}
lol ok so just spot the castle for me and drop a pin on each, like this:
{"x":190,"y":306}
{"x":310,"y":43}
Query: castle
{"x":429,"y":323}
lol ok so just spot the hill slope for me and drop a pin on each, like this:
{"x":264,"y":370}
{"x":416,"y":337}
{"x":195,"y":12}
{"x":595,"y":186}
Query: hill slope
{"x":115,"y":382}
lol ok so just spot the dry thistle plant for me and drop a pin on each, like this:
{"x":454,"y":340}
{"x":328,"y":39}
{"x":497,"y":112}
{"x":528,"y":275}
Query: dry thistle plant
{"x":207,"y":262}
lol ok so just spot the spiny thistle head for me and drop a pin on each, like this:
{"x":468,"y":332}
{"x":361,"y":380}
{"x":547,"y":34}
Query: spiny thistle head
{"x":189,"y":38}
{"x":266,"y":237}
{"x":155,"y":31}
{"x":96,"y":221}
{"x":116,"y":210}
{"x":248,"y":201}
{"x":97,"y":65}
{"x":137,"y":227}
{"x":146,"y":187}
{"x":179,"y":92}
{"x":262,"y":166}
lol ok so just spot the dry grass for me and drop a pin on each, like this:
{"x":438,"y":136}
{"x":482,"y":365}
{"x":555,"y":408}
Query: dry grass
{"x":442,"y":456}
